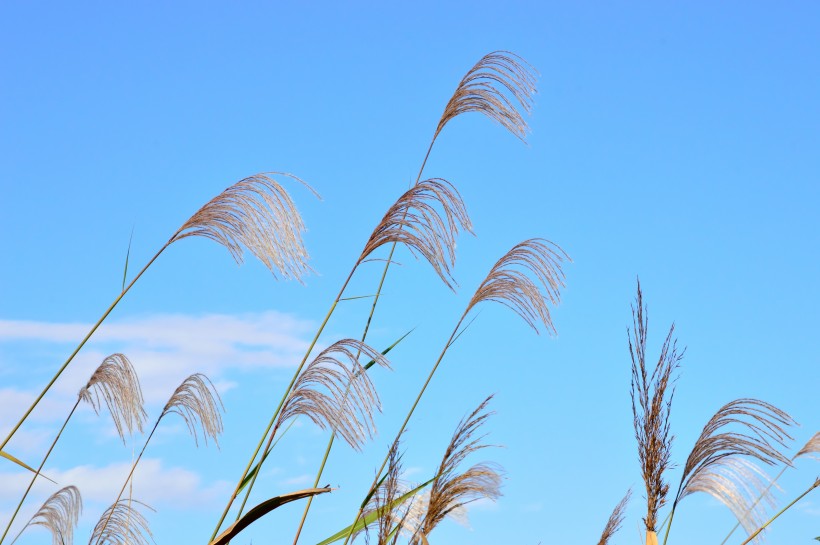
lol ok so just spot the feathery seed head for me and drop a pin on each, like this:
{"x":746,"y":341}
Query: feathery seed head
{"x":116,"y":382}
{"x":197,"y":401}
{"x":615,"y":519}
{"x":426,"y":219}
{"x":122,"y":524}
{"x":483,"y":89}
{"x":525,"y":279}
{"x":335,"y":391}
{"x":258,"y":213}
{"x":59,"y":514}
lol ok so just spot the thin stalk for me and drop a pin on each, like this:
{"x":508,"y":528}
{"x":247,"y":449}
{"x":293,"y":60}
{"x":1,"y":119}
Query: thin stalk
{"x":128,"y":479}
{"x":671,"y":517}
{"x":39,"y":469}
{"x":364,"y":337}
{"x":760,"y":497}
{"x":276,"y":413}
{"x":797,"y":499}
{"x":79,"y":346}
{"x":406,"y":420}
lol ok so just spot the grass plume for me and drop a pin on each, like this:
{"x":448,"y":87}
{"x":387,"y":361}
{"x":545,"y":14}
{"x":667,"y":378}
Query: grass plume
{"x":427,"y":219}
{"x":451,"y":490}
{"x":484,"y":90}
{"x":122,"y":524}
{"x":257,"y":213}
{"x":116,"y":382}
{"x":613,"y":524}
{"x":59,"y":515}
{"x":198,"y":403}
{"x":336,"y":392}
{"x":650,"y":409}
{"x":514,"y":281}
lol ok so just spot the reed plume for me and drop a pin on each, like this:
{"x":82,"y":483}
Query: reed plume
{"x":116,"y":382}
{"x":336,"y":392}
{"x":510,"y":284}
{"x":483,"y":89}
{"x":122,"y":524}
{"x":712,"y":467}
{"x":615,"y":520}
{"x":390,"y":516}
{"x":257,"y":213}
{"x":811,"y":448}
{"x":197,"y":402}
{"x":451,"y":489}
{"x":415,"y":221}
{"x":650,"y":410}
{"x":59,"y":515}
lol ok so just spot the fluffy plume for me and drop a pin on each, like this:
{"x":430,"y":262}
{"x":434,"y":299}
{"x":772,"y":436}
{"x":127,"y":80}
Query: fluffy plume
{"x":615,"y":520}
{"x":483,"y":90}
{"x":256,"y":213}
{"x":764,"y":433}
{"x":335,"y":391}
{"x":650,"y":409}
{"x":451,"y":490}
{"x":509,"y":281}
{"x":122,"y":524}
{"x":197,"y":401}
{"x":391,"y":517}
{"x":739,"y":485}
{"x":59,"y":514}
{"x":811,"y":448}
{"x":116,"y":382}
{"x":415,"y":221}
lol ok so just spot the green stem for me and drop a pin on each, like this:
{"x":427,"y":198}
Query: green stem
{"x":760,"y":497}
{"x":406,"y":420}
{"x":364,"y":337}
{"x":276,"y":413}
{"x":79,"y":346}
{"x":671,"y":517}
{"x":797,"y":499}
{"x":128,"y":479}
{"x":37,"y":474}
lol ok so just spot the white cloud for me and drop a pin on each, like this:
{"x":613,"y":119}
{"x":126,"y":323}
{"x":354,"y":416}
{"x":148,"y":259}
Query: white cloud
{"x":154,"y":484}
{"x":164,"y":349}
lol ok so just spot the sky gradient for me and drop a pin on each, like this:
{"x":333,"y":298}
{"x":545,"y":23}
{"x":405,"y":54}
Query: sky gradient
{"x":673,"y":143}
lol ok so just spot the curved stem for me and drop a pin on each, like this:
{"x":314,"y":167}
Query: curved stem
{"x":79,"y":346}
{"x":128,"y":479}
{"x":797,"y":499}
{"x":39,"y":469}
{"x":276,"y":413}
{"x":406,"y":420}
{"x":364,"y":337}
{"x":760,"y":497}
{"x":671,"y":517}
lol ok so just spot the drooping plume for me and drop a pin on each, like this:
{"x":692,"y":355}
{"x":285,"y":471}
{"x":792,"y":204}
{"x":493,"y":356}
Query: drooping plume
{"x":764,"y":434}
{"x":426,"y":219}
{"x":453,"y":489}
{"x":122,"y":524}
{"x":335,"y":392}
{"x":510,"y":283}
{"x":740,"y":485}
{"x":59,"y":515}
{"x":116,"y":382}
{"x":485,"y":87}
{"x":615,"y":520}
{"x":259,"y":214}
{"x":197,"y":402}
{"x":811,"y":448}
{"x":650,"y":410}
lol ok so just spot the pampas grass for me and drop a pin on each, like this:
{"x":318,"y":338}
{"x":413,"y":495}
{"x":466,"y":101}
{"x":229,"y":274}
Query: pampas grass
{"x":59,"y":515}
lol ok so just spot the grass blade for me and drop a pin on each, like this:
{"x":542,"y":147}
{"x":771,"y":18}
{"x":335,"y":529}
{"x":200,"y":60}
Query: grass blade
{"x":127,"y":255}
{"x":261,"y":510}
{"x":8,"y":456}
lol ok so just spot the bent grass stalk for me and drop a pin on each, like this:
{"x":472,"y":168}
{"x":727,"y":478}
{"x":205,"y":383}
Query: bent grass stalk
{"x":516,"y":125}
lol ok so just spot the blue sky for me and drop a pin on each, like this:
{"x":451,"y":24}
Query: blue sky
{"x":677,"y":143}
